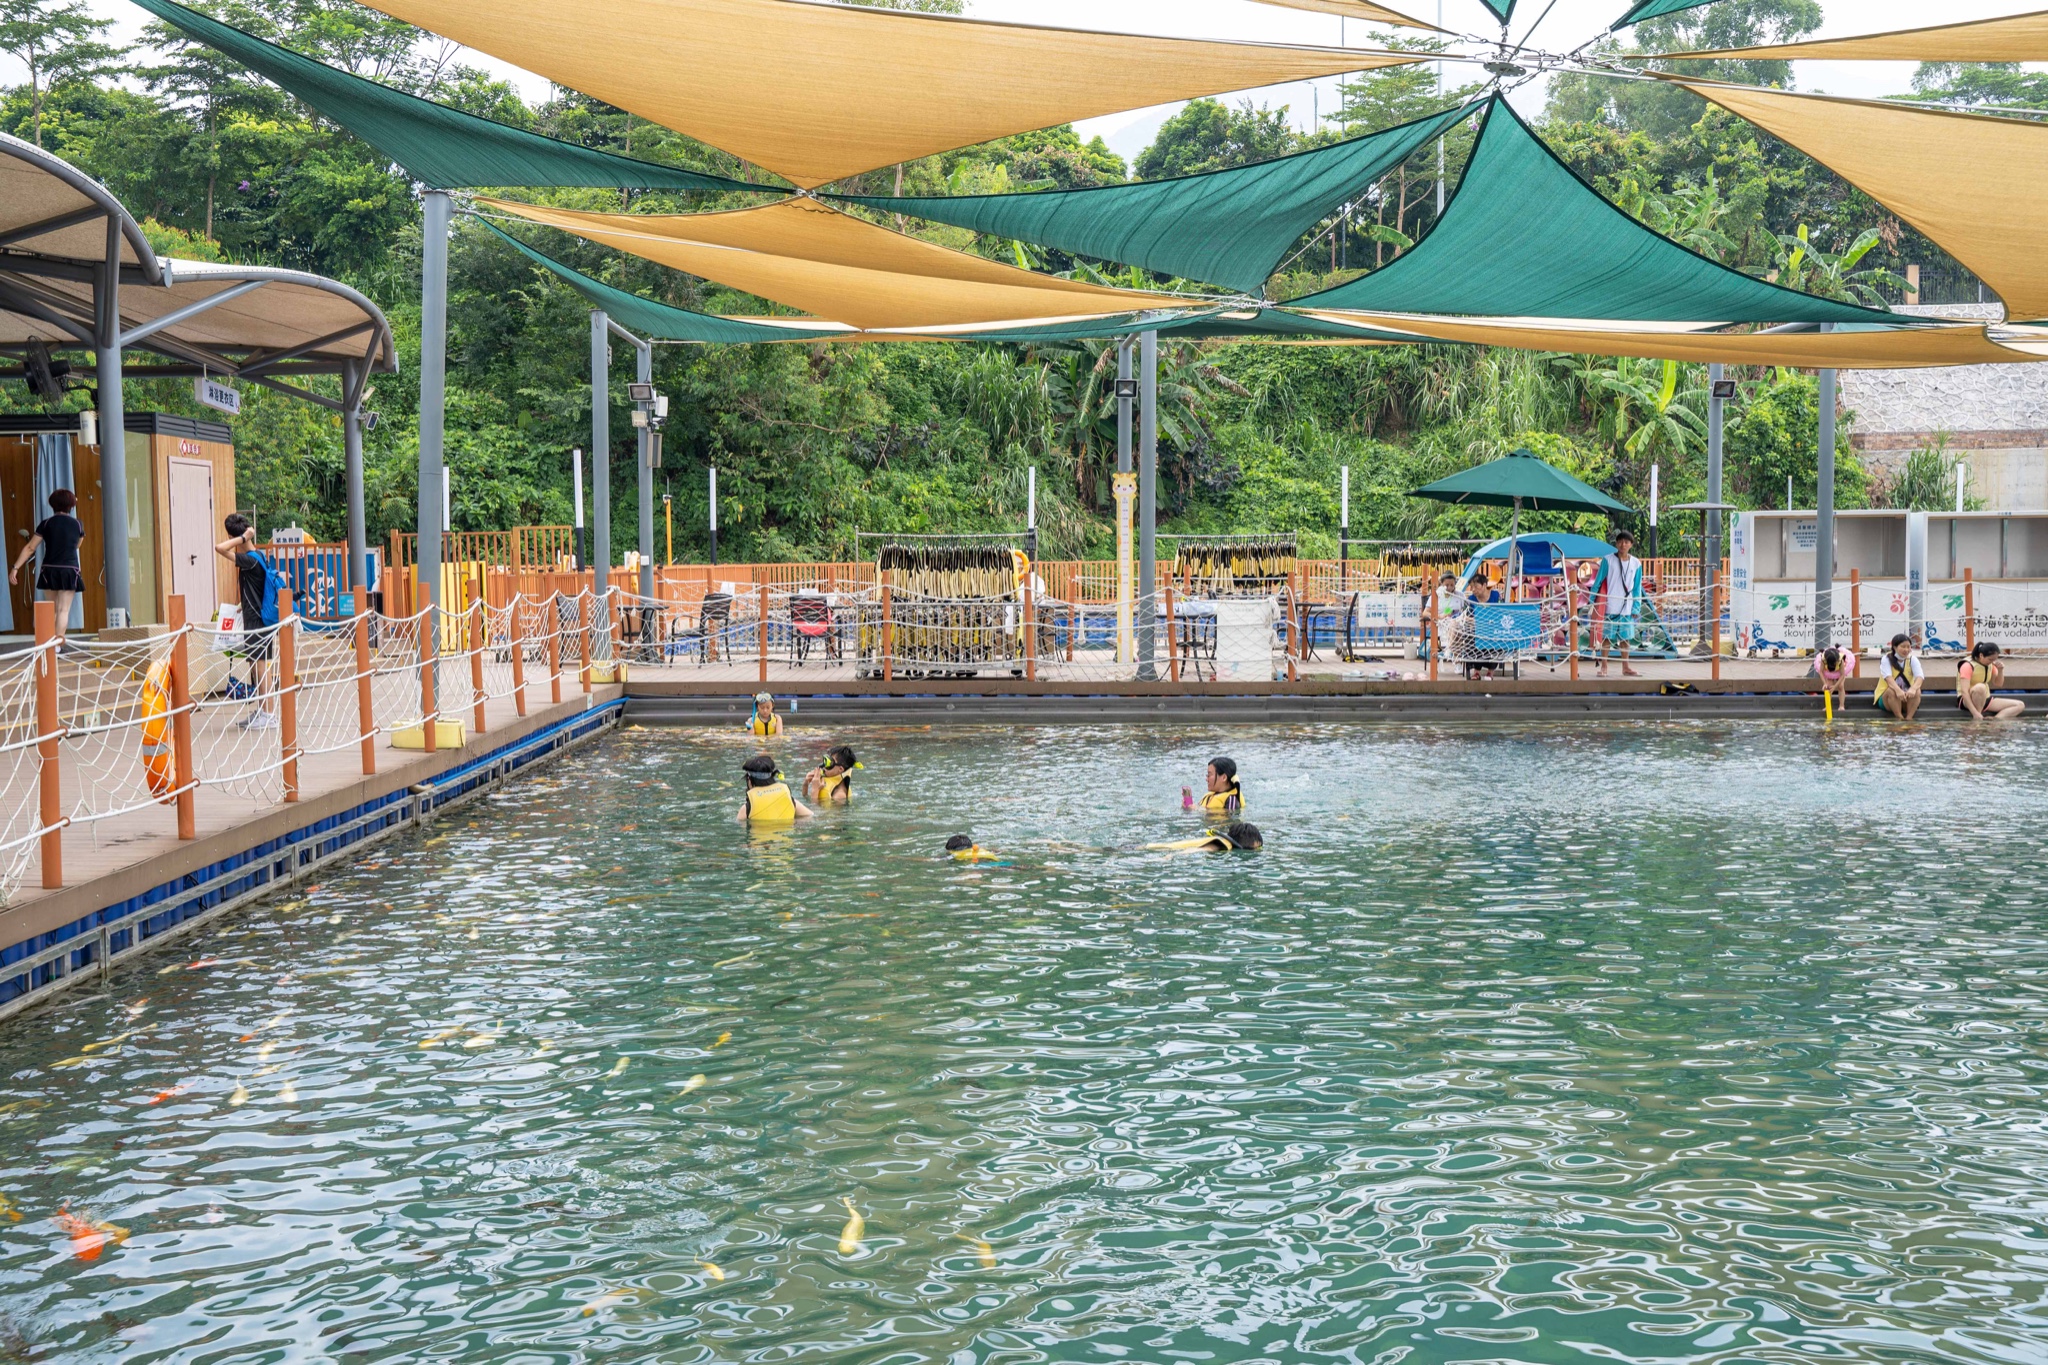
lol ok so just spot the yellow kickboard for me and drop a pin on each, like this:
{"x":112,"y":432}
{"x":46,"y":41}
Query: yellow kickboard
{"x":606,"y":671}
{"x":448,"y":734}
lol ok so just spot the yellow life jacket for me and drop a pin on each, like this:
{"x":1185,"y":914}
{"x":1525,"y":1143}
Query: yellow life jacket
{"x":1980,"y":673}
{"x":756,"y":725}
{"x":1221,"y":803}
{"x":771,"y":803}
{"x":828,"y":784}
{"x":1215,"y":842}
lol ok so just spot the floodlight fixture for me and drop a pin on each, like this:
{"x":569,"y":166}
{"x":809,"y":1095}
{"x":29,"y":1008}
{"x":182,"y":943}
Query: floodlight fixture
{"x":640,"y":393}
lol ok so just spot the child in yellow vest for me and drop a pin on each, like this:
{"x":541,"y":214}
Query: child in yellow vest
{"x":768,"y":796}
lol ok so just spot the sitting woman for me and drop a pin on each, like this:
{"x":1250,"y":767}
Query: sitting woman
{"x":1975,"y":678}
{"x":1221,"y":795}
{"x":1899,"y":678}
{"x":768,"y":799}
{"x":832,"y":780}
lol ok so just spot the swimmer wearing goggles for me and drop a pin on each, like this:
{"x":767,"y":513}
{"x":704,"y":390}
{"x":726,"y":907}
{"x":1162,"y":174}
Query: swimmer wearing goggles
{"x":764,"y":721}
{"x":832,"y":780}
{"x":768,"y":799}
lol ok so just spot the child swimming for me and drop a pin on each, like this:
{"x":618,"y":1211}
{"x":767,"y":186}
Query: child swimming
{"x":1234,"y":837}
{"x":1223,"y":795}
{"x":966,"y":850}
{"x":768,"y":799}
{"x":764,"y":721}
{"x":832,"y":780}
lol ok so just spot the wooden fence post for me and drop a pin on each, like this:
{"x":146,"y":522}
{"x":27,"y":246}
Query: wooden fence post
{"x":182,"y":765}
{"x":1030,"y":635}
{"x":764,"y":629}
{"x":1855,"y":611}
{"x":554,"y":624}
{"x":518,"y":656}
{"x":477,"y":627}
{"x":288,"y":691}
{"x":51,"y":791}
{"x":1969,"y":609}
{"x":366,"y":701}
{"x":888,"y":636}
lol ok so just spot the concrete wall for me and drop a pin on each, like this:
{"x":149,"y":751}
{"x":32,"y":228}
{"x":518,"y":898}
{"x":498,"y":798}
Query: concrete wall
{"x":1995,"y":417}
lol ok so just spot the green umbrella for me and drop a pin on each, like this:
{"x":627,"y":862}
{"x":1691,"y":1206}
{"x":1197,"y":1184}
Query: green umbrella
{"x":1520,"y":480}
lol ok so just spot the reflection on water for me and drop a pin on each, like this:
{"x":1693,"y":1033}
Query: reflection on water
{"x":1716,"y":1043}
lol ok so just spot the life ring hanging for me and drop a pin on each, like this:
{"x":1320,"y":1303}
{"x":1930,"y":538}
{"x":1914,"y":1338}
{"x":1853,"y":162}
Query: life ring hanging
{"x":156,"y":730}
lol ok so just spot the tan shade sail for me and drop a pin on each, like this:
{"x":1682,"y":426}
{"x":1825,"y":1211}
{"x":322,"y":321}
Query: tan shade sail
{"x":1978,"y":186}
{"x":832,"y":265}
{"x":817,"y":92}
{"x":2014,"y":38}
{"x":1355,"y":9}
{"x":48,"y":207}
{"x":1875,"y":349}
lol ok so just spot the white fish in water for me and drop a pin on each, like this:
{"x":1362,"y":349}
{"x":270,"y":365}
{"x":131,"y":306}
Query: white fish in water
{"x":288,"y":1093}
{"x":709,"y":1269}
{"x":850,"y":1235}
{"x":544,"y":1048}
{"x":270,"y":1070}
{"x":693,"y":1083}
{"x":135,"y":1010}
{"x":735,"y":961}
{"x":472,"y":932}
{"x":480,"y":1040}
{"x":610,"y":1299}
{"x":436,"y":1039}
{"x":266,"y":1049}
{"x":241,"y":1095}
{"x":617,"y":1067}
{"x":79,"y":1060}
{"x":983,"y":1252}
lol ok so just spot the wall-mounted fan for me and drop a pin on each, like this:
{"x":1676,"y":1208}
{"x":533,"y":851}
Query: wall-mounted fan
{"x":47,"y":374}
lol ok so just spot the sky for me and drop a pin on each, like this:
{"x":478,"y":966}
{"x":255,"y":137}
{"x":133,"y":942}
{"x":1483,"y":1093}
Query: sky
{"x":1567,"y":24}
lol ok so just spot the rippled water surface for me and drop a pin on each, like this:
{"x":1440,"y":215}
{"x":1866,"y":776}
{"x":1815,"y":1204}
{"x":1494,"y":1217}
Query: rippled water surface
{"x":1645,"y":1043}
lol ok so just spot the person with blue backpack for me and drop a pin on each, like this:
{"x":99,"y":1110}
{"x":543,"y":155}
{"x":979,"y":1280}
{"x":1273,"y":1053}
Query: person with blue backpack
{"x":259,"y":583}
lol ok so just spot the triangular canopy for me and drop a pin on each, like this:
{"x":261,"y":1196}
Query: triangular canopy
{"x":1855,"y":348}
{"x":817,"y":92}
{"x":443,"y":147}
{"x":2012,"y":38}
{"x":808,"y":255}
{"x":1977,"y":186}
{"x":1525,"y":236}
{"x":1520,"y":479}
{"x":1227,"y":227}
{"x":1355,"y":9}
{"x":1654,"y":9}
{"x":1566,"y":544}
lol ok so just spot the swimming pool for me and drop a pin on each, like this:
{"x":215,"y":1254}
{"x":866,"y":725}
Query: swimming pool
{"x":1715,"y":1042}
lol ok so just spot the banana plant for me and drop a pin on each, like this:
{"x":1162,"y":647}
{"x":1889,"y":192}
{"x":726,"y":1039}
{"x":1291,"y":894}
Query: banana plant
{"x":1805,"y":265}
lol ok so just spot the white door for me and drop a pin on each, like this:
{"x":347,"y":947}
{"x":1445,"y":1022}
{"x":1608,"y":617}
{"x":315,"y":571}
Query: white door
{"x":192,"y":538}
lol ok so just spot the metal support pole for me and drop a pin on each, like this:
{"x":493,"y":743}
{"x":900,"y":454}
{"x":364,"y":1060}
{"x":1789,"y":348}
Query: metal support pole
{"x":1148,"y":494}
{"x":50,"y":727}
{"x":644,"y":368}
{"x":1125,"y":647}
{"x":433,"y":406}
{"x":113,"y":429}
{"x":1824,"y":530}
{"x":288,"y":691}
{"x":182,"y":765}
{"x":1710,"y":568}
{"x":600,"y":452}
{"x":714,"y":516}
{"x":353,"y":376}
{"x":366,"y":705}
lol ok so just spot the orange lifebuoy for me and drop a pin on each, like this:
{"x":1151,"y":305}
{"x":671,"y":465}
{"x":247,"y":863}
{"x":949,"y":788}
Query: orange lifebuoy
{"x":156,"y":729}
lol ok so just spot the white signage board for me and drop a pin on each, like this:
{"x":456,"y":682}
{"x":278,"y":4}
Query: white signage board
{"x":217,"y":394}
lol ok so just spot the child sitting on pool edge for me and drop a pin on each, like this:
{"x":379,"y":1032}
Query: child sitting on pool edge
{"x":832,"y":780}
{"x":1223,"y":795}
{"x":1234,"y":837}
{"x":768,"y":799}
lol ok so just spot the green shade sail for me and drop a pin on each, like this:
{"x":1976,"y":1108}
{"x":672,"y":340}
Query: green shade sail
{"x":1652,"y":9}
{"x":442,"y":147}
{"x":1520,"y":480}
{"x":1525,"y":237}
{"x":1501,"y":8}
{"x":664,"y":322}
{"x":1226,"y":227}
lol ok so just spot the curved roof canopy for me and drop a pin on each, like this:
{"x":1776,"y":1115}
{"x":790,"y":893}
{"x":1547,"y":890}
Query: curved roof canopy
{"x":253,"y":322}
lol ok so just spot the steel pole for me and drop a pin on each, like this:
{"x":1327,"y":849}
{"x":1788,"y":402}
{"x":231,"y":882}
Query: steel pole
{"x":600,"y":450}
{"x":1148,"y":493}
{"x":113,"y":430}
{"x":1710,"y":571}
{"x":354,"y":373}
{"x":644,"y":369}
{"x":1824,"y":529}
{"x":433,"y":391}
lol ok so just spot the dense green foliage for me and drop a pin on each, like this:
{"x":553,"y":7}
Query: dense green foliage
{"x":814,"y":442}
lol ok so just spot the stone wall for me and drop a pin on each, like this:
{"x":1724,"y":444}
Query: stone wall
{"x":1995,"y":417}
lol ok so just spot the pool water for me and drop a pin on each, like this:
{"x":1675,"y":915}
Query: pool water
{"x":1638,"y":1042}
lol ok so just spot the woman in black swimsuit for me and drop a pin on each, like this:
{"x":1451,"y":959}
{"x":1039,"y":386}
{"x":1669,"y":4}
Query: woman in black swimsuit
{"x":59,"y":535}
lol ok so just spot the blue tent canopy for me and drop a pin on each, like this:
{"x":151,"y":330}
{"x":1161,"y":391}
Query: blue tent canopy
{"x":1562,"y":545}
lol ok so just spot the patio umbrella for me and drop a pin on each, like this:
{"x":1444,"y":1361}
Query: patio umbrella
{"x":1520,"y":480}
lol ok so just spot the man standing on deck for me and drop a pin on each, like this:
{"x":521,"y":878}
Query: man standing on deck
{"x":1616,"y":593}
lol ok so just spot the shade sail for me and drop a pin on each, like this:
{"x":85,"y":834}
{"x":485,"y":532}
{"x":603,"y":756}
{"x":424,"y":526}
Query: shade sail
{"x":1520,"y":480}
{"x":1523,"y":235}
{"x":817,"y":92}
{"x":810,"y":256}
{"x":1654,"y":9}
{"x":50,"y":208}
{"x":666,"y":322}
{"x":1862,"y":348}
{"x":2013,"y":38}
{"x":1227,"y":227}
{"x":1355,"y":9}
{"x":1564,"y":544}
{"x":1977,"y":186}
{"x":444,"y":147}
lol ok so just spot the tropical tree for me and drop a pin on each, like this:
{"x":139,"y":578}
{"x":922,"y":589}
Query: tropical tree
{"x":56,"y":43}
{"x":1805,"y":265}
